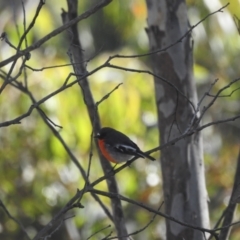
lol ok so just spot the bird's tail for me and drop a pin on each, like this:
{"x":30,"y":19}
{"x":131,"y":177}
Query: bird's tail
{"x":145,"y":155}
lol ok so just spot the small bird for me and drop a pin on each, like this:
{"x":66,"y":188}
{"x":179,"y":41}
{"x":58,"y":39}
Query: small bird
{"x":116,"y":147}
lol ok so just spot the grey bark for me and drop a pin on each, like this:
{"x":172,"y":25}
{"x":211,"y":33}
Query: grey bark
{"x":76,"y":54}
{"x":184,"y":187}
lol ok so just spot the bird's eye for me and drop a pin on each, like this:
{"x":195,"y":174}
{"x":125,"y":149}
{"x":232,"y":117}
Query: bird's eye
{"x":97,"y":135}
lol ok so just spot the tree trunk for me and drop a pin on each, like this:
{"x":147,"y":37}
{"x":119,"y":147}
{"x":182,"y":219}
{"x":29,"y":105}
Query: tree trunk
{"x":76,"y":53}
{"x":182,"y":164}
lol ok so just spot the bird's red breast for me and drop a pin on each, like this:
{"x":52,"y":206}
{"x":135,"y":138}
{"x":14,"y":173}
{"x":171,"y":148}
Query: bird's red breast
{"x":105,"y":152}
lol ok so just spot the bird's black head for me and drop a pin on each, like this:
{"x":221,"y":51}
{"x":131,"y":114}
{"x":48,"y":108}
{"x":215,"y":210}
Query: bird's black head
{"x":103,"y":132}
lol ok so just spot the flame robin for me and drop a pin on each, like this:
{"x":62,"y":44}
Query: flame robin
{"x":116,"y":147}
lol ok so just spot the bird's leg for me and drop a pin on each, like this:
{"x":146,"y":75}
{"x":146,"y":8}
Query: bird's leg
{"x":129,"y":162}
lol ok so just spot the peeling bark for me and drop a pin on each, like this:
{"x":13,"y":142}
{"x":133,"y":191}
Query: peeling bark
{"x":182,"y":164}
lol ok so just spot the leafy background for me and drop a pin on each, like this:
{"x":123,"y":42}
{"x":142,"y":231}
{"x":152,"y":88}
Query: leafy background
{"x":36,"y":174}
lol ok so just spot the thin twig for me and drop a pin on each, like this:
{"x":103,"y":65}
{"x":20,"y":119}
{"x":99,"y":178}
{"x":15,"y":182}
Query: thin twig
{"x":143,"y":228}
{"x":48,"y":119}
{"x":14,"y":219}
{"x":57,"y":31}
{"x":102,"y":229}
{"x":195,"y":116}
{"x":4,"y":38}
{"x":176,"y":42}
{"x":214,"y":99}
{"x":6,"y":82}
{"x":49,"y":67}
{"x":108,"y":95}
{"x":57,"y":227}
{"x":122,"y":198}
{"x":154,"y":75}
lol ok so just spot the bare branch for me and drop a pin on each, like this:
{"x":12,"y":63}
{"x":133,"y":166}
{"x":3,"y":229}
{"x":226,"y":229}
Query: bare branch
{"x":173,"y":141}
{"x":31,"y":25}
{"x":49,"y":67}
{"x":176,"y":42}
{"x":228,"y":214}
{"x":143,"y":228}
{"x":76,"y":55}
{"x":14,"y":219}
{"x":107,"y":95}
{"x":57,"y":227}
{"x":196,"y":119}
{"x":154,"y":75}
{"x":36,"y":45}
{"x":102,"y":229}
{"x":4,"y":37}
{"x":113,"y":195}
{"x":237,"y":22}
{"x":41,"y":3}
{"x":33,"y":21}
{"x":215,"y":98}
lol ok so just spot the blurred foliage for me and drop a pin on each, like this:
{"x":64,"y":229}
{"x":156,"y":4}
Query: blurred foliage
{"x":36,"y":174}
